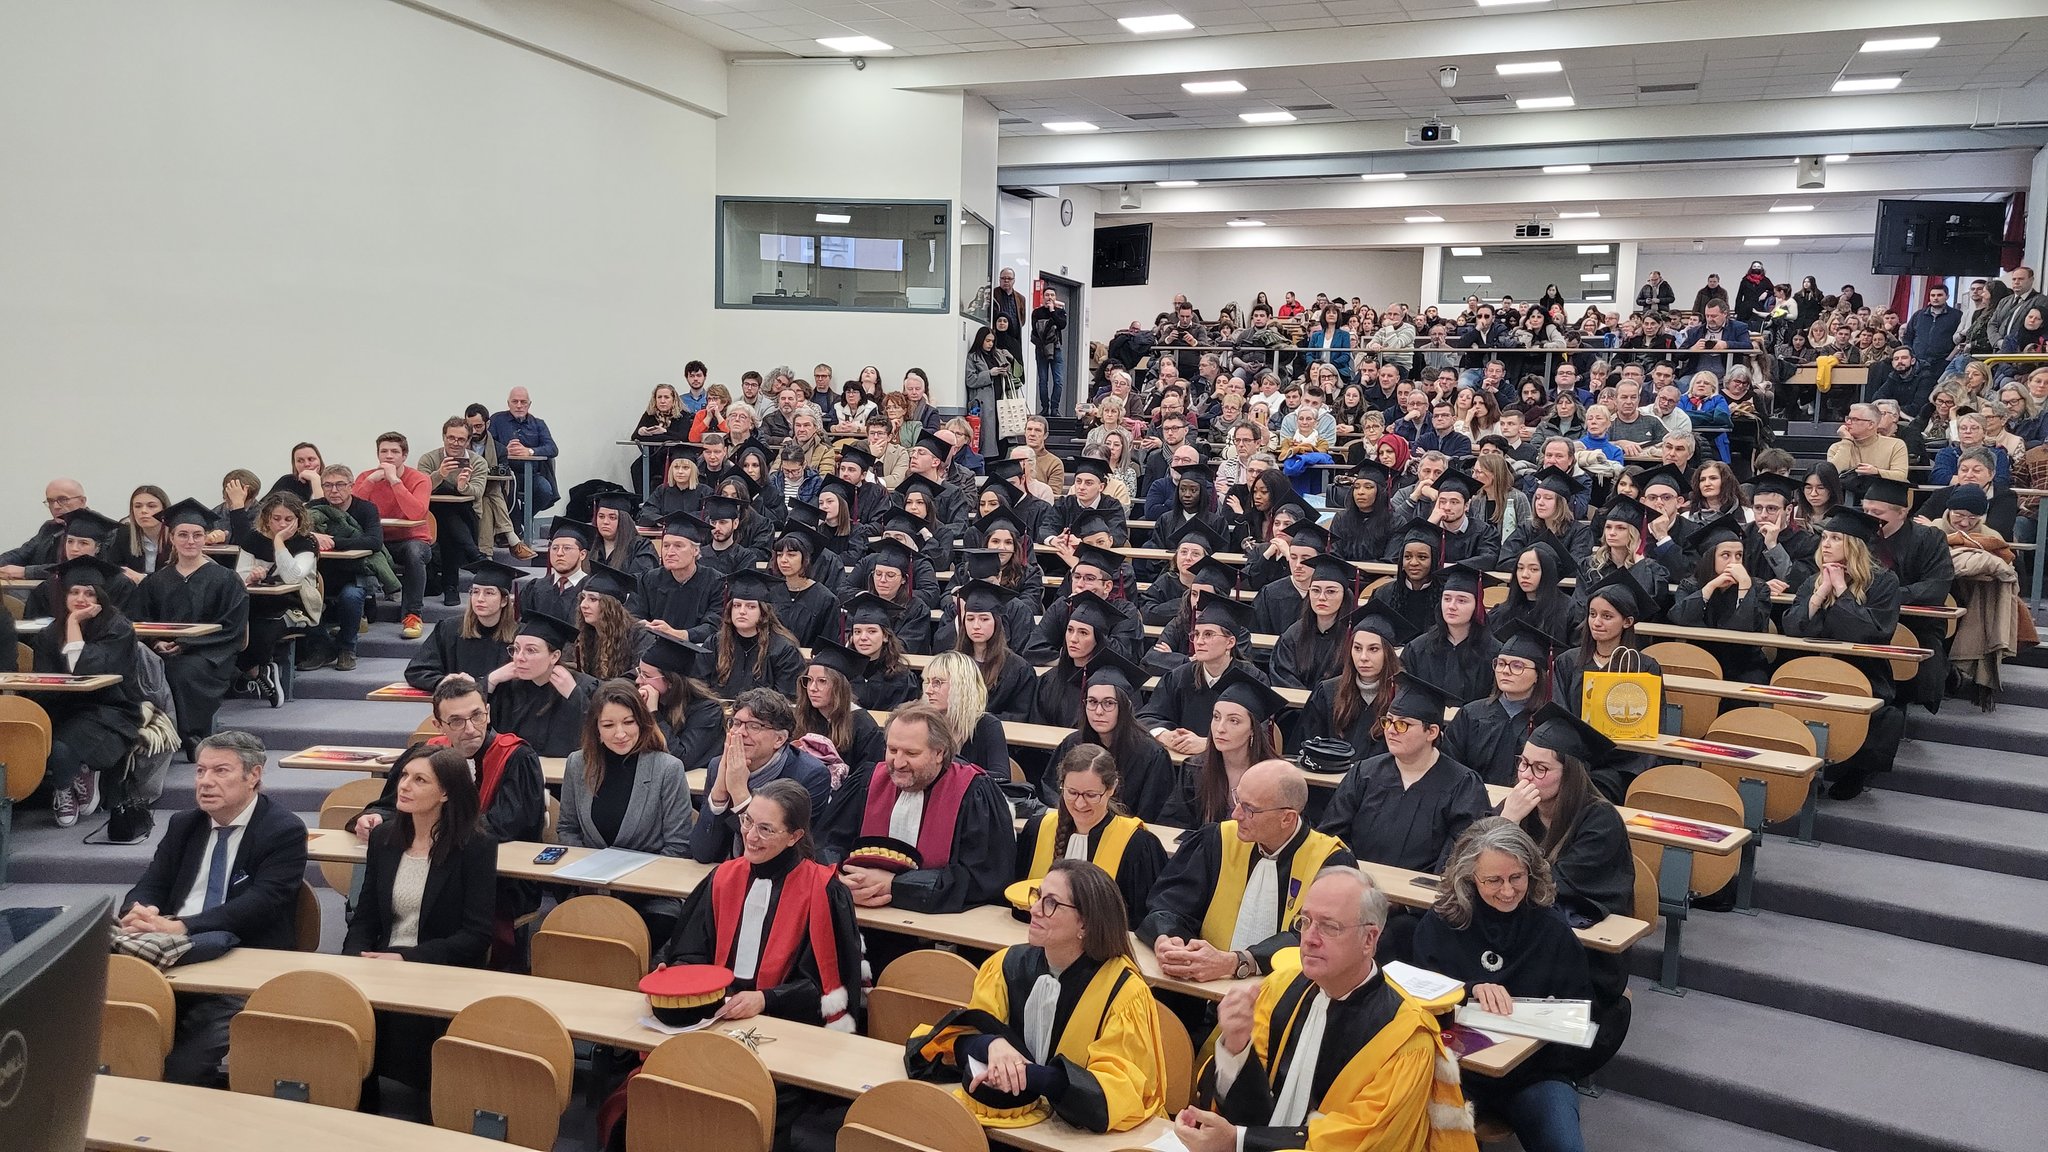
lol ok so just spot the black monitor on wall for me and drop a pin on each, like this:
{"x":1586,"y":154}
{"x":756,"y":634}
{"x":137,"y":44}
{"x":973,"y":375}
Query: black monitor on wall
{"x":53,"y":986}
{"x":1937,"y":238}
{"x":1123,"y":256}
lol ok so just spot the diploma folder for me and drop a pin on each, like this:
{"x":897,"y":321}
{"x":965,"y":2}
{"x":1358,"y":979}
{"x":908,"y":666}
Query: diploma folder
{"x":603,"y":866}
{"x":1567,"y":1022}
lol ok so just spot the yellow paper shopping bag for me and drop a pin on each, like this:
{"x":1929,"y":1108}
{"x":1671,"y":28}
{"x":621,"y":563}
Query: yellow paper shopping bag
{"x":1623,"y":703}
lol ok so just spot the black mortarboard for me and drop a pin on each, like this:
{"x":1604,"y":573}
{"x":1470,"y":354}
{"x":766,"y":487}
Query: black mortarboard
{"x":1886,"y":490}
{"x":577,"y":530}
{"x":618,"y":500}
{"x":839,"y":658}
{"x":1380,"y":620}
{"x":1496,"y":440}
{"x":1001,"y":518}
{"x":1784,"y":486}
{"x":908,"y":523}
{"x":746,"y":584}
{"x":1621,"y":590}
{"x":1528,"y":642}
{"x":188,"y":511}
{"x":1111,"y":667}
{"x":1110,"y":563}
{"x":1201,"y":533}
{"x":1199,"y":472}
{"x":1092,"y":466}
{"x":868,"y":608}
{"x":931,"y":491}
{"x":1853,"y":522}
{"x":606,"y":580}
{"x":1420,"y":531}
{"x":986,"y":596}
{"x":841,"y":489}
{"x":1560,"y":481}
{"x":745,"y":481}
{"x":86,"y":570}
{"x":720,"y":508}
{"x":981,"y":563}
{"x":1334,"y":569}
{"x":858,"y":454}
{"x":1454,"y":480}
{"x":1721,"y":529}
{"x":802,"y":512}
{"x":1630,"y":511}
{"x":689,"y":527}
{"x":492,"y":574}
{"x":932,"y":444}
{"x":1094,"y":611}
{"x":1418,"y":699}
{"x":1371,"y":470}
{"x":86,"y":524}
{"x":1565,"y":734}
{"x":801,"y":537}
{"x":1468,"y":576}
{"x":1663,"y":474}
{"x":1088,"y":523}
{"x":1004,"y":468}
{"x":1244,"y":690}
{"x":1215,"y":573}
{"x":1005,"y":494}
{"x":1223,"y":610}
{"x":887,"y":551}
{"x":552,"y":631}
{"x":1306,"y":533}
{"x":671,"y":655}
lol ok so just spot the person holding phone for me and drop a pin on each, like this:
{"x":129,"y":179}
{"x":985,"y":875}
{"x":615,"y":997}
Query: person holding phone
{"x":457,"y":474}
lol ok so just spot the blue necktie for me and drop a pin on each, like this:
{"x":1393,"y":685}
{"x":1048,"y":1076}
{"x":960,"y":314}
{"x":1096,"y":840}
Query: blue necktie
{"x":217,"y":871}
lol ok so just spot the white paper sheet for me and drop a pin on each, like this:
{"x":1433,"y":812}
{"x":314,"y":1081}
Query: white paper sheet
{"x":604,"y":866}
{"x":1421,"y":983}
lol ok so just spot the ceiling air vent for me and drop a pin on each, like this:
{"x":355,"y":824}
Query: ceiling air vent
{"x":1653,"y":89}
{"x":1152,"y":116}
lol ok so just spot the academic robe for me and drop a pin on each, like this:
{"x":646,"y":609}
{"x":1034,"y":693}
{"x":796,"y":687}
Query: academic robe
{"x":1127,"y":632}
{"x":539,"y":594}
{"x":1186,"y":697}
{"x":1487,"y":737}
{"x":1009,"y":698}
{"x":1477,"y":540}
{"x":1549,"y":613}
{"x":1869,"y":622}
{"x":1532,"y":953}
{"x":446,"y":650}
{"x":785,"y":664}
{"x":954,"y":508}
{"x":1418,"y":606}
{"x":810,"y":615}
{"x":1378,"y":1083}
{"x":1410,"y":827}
{"x":538,"y":714}
{"x":1160,"y":602}
{"x":1917,"y":554}
{"x":725,"y":562}
{"x":965,"y":833}
{"x":1568,"y":688}
{"x":698,"y":738}
{"x":1318,"y":718}
{"x":1019,"y":616}
{"x":1146,"y":778}
{"x":1277,"y":606}
{"x":987,"y":747}
{"x":1305,"y":655}
{"x":692,"y":606}
{"x":201,"y":667}
{"x":1120,"y":845}
{"x":1737,"y":613}
{"x":1362,"y":536}
{"x":631,"y":553}
{"x":1067,"y":510}
{"x":1463,"y":670}
{"x":1595,"y":872}
{"x":1201,"y":894}
{"x":883,"y":691}
{"x":101,"y":726}
{"x":1100,"y":1060}
{"x":796,"y":907}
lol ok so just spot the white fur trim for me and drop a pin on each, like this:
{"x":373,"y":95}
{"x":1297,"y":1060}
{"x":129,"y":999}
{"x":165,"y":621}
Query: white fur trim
{"x":840,"y":1023}
{"x":1450,"y":1117}
{"x":832,"y":1003}
{"x":1447,"y":1068}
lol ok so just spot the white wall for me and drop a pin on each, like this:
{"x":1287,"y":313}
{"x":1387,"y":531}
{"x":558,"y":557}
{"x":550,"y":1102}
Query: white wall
{"x":234,"y":224}
{"x":1687,"y":272}
{"x":1212,"y":278}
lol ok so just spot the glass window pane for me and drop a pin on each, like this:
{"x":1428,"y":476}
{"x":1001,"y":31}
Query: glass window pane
{"x":1528,"y":271}
{"x":855,"y":255}
{"x":977,"y":267}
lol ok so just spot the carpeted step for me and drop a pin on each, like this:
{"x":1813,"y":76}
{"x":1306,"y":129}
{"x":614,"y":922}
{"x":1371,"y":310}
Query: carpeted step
{"x":1616,"y":1122}
{"x":1989,"y":912}
{"x":306,"y":722}
{"x":1988,"y":1005}
{"x":370,"y":672}
{"x":2021,"y":685}
{"x":1932,"y":828}
{"x":1822,"y":1082}
{"x":384,"y":643}
{"x":1972,"y":775}
{"x":2010,"y":728}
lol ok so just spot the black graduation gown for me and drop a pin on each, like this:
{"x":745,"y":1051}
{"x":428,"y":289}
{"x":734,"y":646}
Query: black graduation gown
{"x":1725,"y":609}
{"x":446,"y":650}
{"x":538,"y":594}
{"x":1020,"y":620}
{"x":987,"y":747}
{"x":1304,"y":656}
{"x":1567,"y":687}
{"x":699,"y":737}
{"x":1463,"y":670}
{"x":1127,"y":633}
{"x":101,"y":726}
{"x":1405,"y":828}
{"x":691,"y":606}
{"x":1009,"y":698}
{"x":1318,"y":718}
{"x":1160,"y":602}
{"x":799,"y":995}
{"x":1181,"y":897}
{"x":1918,"y":556}
{"x":1147,"y":777}
{"x":1277,"y":606}
{"x":1144,"y":858}
{"x":810,"y":615}
{"x":984,"y":847}
{"x":1596,"y":878}
{"x":1350,"y":1025}
{"x":1360,"y":536}
{"x":734,"y":559}
{"x":785,"y":664}
{"x":1532,"y":953}
{"x":199,"y":671}
{"x":1870,"y":622}
{"x":885,"y":691}
{"x":1415,"y":605}
{"x":1487,"y":738}
{"x":1186,"y":696}
{"x":1067,"y":510}
{"x":1057,"y":698}
{"x":1652,"y":579}
{"x":547,"y":720}
{"x":631,"y":555}
{"x":1550,"y":613}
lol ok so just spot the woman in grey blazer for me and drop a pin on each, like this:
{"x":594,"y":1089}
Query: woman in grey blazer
{"x":622,"y":789}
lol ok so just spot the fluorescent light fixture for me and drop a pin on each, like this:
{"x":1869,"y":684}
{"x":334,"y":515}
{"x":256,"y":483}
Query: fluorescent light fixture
{"x":1468,"y":252}
{"x":1278,"y":116}
{"x":1593,"y":215}
{"x":1566,"y":169}
{"x":1175,"y":183}
{"x":834,"y":218}
{"x":1241,"y":222}
{"x":1593,"y":249}
{"x":1791,"y":208}
{"x":1528,"y":68}
{"x":1594,"y":277}
{"x":1070,"y":126}
{"x":1867,"y":83}
{"x":1544,"y":102}
{"x":1424,"y":219}
{"x":1902,"y":44}
{"x":1212,"y":87}
{"x":1504,"y":3}
{"x":1478,"y":279}
{"x":1836,"y":158}
{"x":1142,"y":25}
{"x":1761,"y":242}
{"x":1377,"y":176}
{"x":854,"y":44}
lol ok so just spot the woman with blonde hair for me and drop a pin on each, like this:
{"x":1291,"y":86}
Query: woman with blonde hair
{"x":1851,"y":598}
{"x":953,"y":685}
{"x":680,"y":491}
{"x":664,"y":418}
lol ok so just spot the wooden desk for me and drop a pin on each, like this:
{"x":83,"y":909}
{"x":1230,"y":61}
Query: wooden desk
{"x":1767,"y":695}
{"x":271,"y":589}
{"x":54,"y":682}
{"x":358,"y":758}
{"x":147,"y":1116}
{"x":450,"y":498}
{"x":143,"y":629}
{"x":1837,"y":648}
{"x":1636,"y":820}
{"x":398,"y":691}
{"x":389,"y":524}
{"x":346,"y":554}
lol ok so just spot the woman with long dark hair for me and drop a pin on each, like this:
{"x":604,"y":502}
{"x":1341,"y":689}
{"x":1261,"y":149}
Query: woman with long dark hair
{"x":279,"y":552}
{"x":873,"y":628}
{"x":1534,"y":597}
{"x":1313,"y":647}
{"x":754,"y":649}
{"x":90,"y":732}
{"x":606,"y":634}
{"x":1146,"y":776}
{"x":691,"y":719}
{"x":1486,"y":735}
{"x":1352,"y":704}
{"x":982,"y":637}
{"x":1243,"y":730}
{"x":1612,"y":609}
{"x":826,"y":707}
{"x":755,"y":528}
{"x":807,"y":607}
{"x":621,"y":789}
{"x":1089,"y":823}
{"x":1405,"y":808}
{"x":1820,"y":494}
{"x":1722,"y":593}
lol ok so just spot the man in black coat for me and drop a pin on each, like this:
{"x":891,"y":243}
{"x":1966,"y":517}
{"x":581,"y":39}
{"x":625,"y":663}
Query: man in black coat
{"x":224,"y":875}
{"x":35,"y":556}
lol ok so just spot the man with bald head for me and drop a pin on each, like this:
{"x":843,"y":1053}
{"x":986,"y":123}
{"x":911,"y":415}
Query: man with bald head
{"x":1227,"y":902}
{"x":523,"y":437}
{"x":36,"y":554}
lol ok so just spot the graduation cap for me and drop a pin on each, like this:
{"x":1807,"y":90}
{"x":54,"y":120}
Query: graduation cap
{"x":1246,"y":691}
{"x":802,"y":512}
{"x":890,"y":552}
{"x":1454,"y":480}
{"x":1853,"y":522}
{"x":1886,"y":490}
{"x":1198,"y":472}
{"x":1418,"y":530}
{"x":618,"y":500}
{"x":1718,"y":531}
{"x":1468,"y":576}
{"x":1004,"y":468}
{"x":868,"y":608}
{"x":564,"y":528}
{"x":86,"y":524}
{"x":490,"y":573}
{"x":1372,"y":471}
{"x":690,"y":528}
{"x":1001,"y":518}
{"x":1215,"y":573}
{"x":1621,"y":590}
{"x":1561,"y":482}
{"x":1556,"y":729}
{"x":1382,"y":621}
{"x":886,"y":854}
{"x":1005,"y":494}
{"x":1200,"y":532}
{"x":1418,"y":699}
{"x":839,"y":658}
{"x":606,"y":580}
{"x":800,"y":538}
{"x":86,"y":571}
{"x":1662,"y":474}
{"x":1223,"y":610}
{"x":1111,"y":667}
{"x":1784,"y":486}
{"x":671,"y":655}
{"x":1496,"y":440}
{"x":718,"y":508}
{"x":740,"y":476}
{"x":986,"y":596}
{"x":1308,"y":534}
{"x":746,"y":584}
{"x":1629,"y":511}
{"x":843,"y":490}
{"x":855,"y":453}
{"x":1096,"y":556}
{"x":908,"y":523}
{"x":981,"y":563}
{"x":1525,"y":641}
{"x":188,"y":511}
{"x":1335,"y":569}
{"x":1092,"y":466}
{"x":1095,"y":612}
{"x":931,"y":491}
{"x":552,"y":631}
{"x":930,"y":442}
{"x":684,"y":994}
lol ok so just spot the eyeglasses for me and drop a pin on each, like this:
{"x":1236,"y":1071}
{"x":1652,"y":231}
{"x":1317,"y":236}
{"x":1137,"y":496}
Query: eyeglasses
{"x":751,"y":726}
{"x":1045,"y":904}
{"x":472,"y":720}
{"x":1324,"y":928}
{"x":1239,"y":806}
{"x":1532,"y":769}
{"x":1400,"y":725}
{"x":818,"y":681}
{"x":1510,"y":666}
{"x":1107,"y":704}
{"x":749,"y":826}
{"x":1074,"y":797}
{"x":1511,"y":880}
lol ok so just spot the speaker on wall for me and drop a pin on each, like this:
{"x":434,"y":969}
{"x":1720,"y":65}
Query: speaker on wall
{"x":1813,"y":172}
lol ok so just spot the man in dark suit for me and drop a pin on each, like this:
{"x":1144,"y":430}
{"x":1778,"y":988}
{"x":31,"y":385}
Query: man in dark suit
{"x":228,"y":872}
{"x":1715,"y":332}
